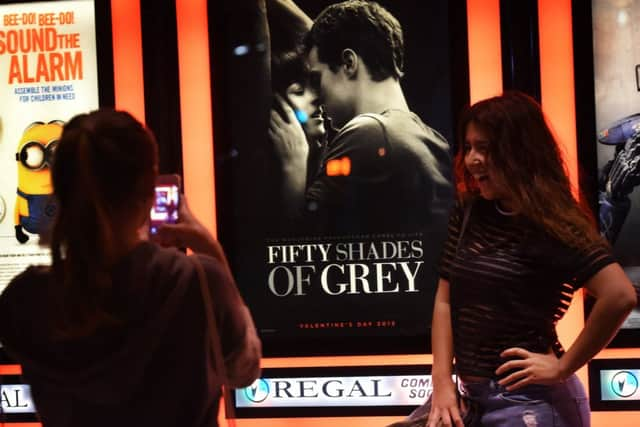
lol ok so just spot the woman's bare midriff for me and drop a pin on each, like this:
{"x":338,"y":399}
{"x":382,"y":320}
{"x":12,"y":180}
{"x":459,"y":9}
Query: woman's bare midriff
{"x":473,"y":379}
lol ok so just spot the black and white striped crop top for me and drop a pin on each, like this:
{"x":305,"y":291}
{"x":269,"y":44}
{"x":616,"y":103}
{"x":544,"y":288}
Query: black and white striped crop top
{"x":510,"y":282}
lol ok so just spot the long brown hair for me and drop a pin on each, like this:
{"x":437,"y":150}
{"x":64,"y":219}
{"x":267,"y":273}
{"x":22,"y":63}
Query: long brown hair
{"x":526,"y":156}
{"x":105,"y":161}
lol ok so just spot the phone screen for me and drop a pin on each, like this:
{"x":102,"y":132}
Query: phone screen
{"x":165,"y":206}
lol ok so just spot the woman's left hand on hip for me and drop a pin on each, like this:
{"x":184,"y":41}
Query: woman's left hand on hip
{"x":529,"y":368}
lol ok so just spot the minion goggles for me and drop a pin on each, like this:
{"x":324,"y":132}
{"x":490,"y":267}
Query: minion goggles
{"x":35,"y":156}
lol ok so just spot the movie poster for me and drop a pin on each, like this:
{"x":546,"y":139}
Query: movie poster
{"x":336,"y":250}
{"x":48,"y":74}
{"x":616,"y":33}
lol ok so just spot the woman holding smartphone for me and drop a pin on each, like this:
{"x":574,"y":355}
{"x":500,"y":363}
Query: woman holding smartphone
{"x":114,"y":332}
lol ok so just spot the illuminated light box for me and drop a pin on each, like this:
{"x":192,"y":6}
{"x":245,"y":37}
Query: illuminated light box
{"x":48,"y":74}
{"x":614,"y":384}
{"x":334,"y":391}
{"x":55,"y":62}
{"x":618,"y":384}
{"x":16,"y":401}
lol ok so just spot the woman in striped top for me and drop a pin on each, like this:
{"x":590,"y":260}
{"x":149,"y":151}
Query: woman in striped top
{"x":508,"y":273}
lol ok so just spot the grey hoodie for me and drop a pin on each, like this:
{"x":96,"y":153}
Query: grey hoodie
{"x":156,"y":368}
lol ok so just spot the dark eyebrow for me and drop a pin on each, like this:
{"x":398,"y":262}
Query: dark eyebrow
{"x":477,"y":144}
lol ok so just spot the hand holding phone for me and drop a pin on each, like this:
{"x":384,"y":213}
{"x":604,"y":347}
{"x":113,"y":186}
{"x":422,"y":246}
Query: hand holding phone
{"x":190,"y":233}
{"x":166,"y":203}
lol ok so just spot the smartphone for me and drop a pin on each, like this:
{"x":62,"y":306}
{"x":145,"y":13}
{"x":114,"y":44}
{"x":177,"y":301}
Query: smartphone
{"x":166,"y":202}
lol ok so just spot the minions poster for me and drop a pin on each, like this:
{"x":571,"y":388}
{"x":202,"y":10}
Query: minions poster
{"x":616,"y":32}
{"x":48,"y":73}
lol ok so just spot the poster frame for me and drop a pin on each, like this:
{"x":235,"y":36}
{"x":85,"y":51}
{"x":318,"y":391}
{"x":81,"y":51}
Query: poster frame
{"x":226,"y":196}
{"x":582,"y":20}
{"x":104,"y":56}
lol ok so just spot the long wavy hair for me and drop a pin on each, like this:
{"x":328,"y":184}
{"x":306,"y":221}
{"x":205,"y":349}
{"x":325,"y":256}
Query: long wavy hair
{"x":526,"y":156}
{"x":105,"y":162}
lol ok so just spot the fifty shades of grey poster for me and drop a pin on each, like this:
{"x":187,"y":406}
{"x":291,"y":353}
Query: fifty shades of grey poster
{"x":333,"y":200}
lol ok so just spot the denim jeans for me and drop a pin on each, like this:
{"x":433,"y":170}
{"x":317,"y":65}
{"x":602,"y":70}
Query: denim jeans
{"x":560,"y":405}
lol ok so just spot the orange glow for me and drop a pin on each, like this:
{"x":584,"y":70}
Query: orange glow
{"x":620,"y":353}
{"x":297,"y":362}
{"x":617,"y":419}
{"x":10,"y":370}
{"x":339,"y":167}
{"x":195,"y":109}
{"x":556,"y":76}
{"x":128,"y":80}
{"x":558,"y":103}
{"x":485,"y":57}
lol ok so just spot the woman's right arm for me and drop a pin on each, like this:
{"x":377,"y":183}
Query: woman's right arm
{"x":242,"y":363}
{"x":444,"y":400}
{"x":241,"y":346}
{"x":240,"y":343}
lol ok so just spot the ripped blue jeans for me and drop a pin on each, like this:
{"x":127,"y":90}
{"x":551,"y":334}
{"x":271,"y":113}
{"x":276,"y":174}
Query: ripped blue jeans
{"x":560,"y":405}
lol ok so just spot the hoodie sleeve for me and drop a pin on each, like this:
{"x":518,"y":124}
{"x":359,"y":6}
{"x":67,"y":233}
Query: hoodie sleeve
{"x":6,"y":323}
{"x":13,"y":298}
{"x":241,"y":347}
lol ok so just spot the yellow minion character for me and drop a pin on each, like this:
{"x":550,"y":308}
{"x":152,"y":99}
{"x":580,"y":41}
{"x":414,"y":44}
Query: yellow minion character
{"x":35,"y":206}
